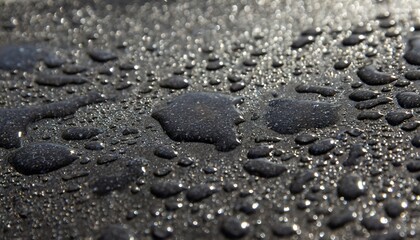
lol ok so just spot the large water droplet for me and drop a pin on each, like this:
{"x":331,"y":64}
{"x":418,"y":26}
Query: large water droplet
{"x":41,"y":158}
{"x":201,"y":117}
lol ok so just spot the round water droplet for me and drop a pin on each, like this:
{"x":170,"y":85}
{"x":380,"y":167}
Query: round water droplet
{"x":41,"y":158}
{"x":351,"y":187}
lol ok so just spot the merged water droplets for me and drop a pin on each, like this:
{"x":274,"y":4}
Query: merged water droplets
{"x":25,"y":56}
{"x":15,"y":121}
{"x":201,"y":117}
{"x":59,"y":80}
{"x":371,"y":76}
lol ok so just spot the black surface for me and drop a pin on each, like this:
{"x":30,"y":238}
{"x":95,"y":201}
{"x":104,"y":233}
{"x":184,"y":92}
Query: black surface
{"x":293,"y":119}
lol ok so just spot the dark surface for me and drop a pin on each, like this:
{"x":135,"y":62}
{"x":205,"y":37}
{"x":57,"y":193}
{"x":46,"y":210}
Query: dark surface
{"x":266,"y":131}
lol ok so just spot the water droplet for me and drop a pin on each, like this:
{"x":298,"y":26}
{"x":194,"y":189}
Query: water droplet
{"x":80,"y":133}
{"x":323,"y":91}
{"x":185,"y":162}
{"x":22,"y":57}
{"x":166,"y":189}
{"x":116,"y":232}
{"x":237,"y":86}
{"x":284,"y":230}
{"x":259,"y":52}
{"x":387,"y":23}
{"x":413,"y":166}
{"x":369,"y":104}
{"x":298,"y":183}
{"x":233,"y":78}
{"x":74,"y":69}
{"x":351,"y":187}
{"x":107,"y":159}
{"x":408,"y":99}
{"x":201,"y":117}
{"x":410,"y":126}
{"x":362,"y":29}
{"x":162,"y":171}
{"x":362,"y":95}
{"x":302,"y":41}
{"x":413,"y":75}
{"x":397,"y":117}
{"x":175,"y":82}
{"x":59,"y":80}
{"x":233,"y":228}
{"x":353,"y":40}
{"x":340,"y":219}
{"x":393,"y":235}
{"x":394,"y":208}
{"x":41,"y":158}
{"x":106,"y":184}
{"x":342,"y":64}
{"x":412,"y":55}
{"x":374,"y":223}
{"x":15,"y":121}
{"x":287,"y":116}
{"x":264,"y":168}
{"x":130,"y":131}
{"x":247,"y":206}
{"x":369,"y":115}
{"x":305,"y":138}
{"x":393,"y":32}
{"x":74,"y":175}
{"x":165,"y":152}
{"x":371,"y":76}
{"x":277,"y":63}
{"x":260,"y":151}
{"x":322,"y":147}
{"x":200,"y":192}
{"x":162,"y":233}
{"x":214,"y":65}
{"x":94,"y":146}
{"x":313,"y":31}
{"x":356,"y":152}
{"x":250,"y":62}
{"x":101,"y":55}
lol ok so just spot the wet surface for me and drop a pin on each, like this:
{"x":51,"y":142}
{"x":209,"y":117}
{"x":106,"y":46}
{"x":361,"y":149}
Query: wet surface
{"x":287,"y":116}
{"x":201,"y":117}
{"x":209,"y":119}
